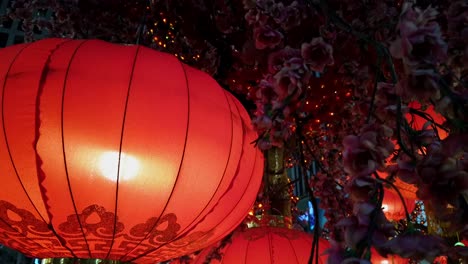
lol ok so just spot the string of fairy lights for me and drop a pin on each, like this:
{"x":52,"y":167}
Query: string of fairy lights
{"x":161,"y":32}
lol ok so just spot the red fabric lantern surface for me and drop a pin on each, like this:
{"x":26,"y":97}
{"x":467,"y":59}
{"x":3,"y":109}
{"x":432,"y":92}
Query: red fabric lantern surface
{"x":376,"y":258}
{"x":266,"y":245}
{"x":396,"y":211}
{"x":118,"y":152}
{"x":393,"y":207}
{"x":418,"y":122}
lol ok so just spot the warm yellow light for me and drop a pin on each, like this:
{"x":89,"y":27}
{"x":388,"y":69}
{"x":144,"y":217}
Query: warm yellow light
{"x":384,"y":262}
{"x":109,"y":163}
{"x":384,"y":207}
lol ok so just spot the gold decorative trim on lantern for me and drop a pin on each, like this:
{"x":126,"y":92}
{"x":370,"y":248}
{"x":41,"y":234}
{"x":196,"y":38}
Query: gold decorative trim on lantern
{"x":270,"y":221}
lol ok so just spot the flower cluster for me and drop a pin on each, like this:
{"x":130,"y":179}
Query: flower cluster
{"x":281,"y":91}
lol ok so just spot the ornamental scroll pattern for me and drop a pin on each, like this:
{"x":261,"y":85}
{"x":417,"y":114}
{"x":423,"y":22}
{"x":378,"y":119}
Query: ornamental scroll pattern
{"x":22,"y":230}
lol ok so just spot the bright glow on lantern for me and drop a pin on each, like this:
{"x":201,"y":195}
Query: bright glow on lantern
{"x":384,"y":262}
{"x":384,"y":207}
{"x":109,"y":162}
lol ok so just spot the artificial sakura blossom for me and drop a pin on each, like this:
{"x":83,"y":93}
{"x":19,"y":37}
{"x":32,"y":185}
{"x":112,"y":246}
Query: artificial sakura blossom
{"x":366,"y":153}
{"x":420,"y":38}
{"x":317,"y":54}
{"x":356,"y":227}
{"x":415,"y":245}
{"x":267,"y":37}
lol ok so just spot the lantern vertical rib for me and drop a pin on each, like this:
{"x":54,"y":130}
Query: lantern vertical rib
{"x":7,"y":73}
{"x":270,"y":249}
{"x":63,"y":142}
{"x":247,"y":252}
{"x":178,"y":172}
{"x":292,"y":249}
{"x":252,"y":174}
{"x":40,"y":172}
{"x":5,"y":133}
{"x":137,"y":49}
{"x":44,"y":70}
{"x":214,"y":193}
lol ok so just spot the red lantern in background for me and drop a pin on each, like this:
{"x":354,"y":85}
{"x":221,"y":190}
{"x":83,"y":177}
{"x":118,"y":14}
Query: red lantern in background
{"x":393,"y":207}
{"x":265,"y":245}
{"x":376,"y":258}
{"x":419,"y":122}
{"x":118,"y":152}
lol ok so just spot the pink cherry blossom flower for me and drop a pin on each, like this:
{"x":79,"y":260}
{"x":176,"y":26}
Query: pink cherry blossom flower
{"x":420,"y":36}
{"x":277,"y":59}
{"x":317,"y":54}
{"x":416,"y":245}
{"x":366,"y":153}
{"x":267,"y":37}
{"x":420,"y":84}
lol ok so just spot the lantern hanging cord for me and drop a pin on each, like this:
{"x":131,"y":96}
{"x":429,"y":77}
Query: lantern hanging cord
{"x":142,"y":26}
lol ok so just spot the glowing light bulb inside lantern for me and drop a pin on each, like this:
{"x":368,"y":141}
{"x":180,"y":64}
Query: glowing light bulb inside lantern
{"x":109,"y":163}
{"x":385,"y":207}
{"x":384,"y":262}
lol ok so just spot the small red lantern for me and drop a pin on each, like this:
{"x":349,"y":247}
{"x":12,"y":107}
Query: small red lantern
{"x":265,"y":245}
{"x":118,"y":152}
{"x":376,"y":258}
{"x":419,"y":122}
{"x":393,"y":207}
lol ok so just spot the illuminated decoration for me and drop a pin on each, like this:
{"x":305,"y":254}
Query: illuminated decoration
{"x":160,"y":32}
{"x":118,"y":152}
{"x":419,"y":122}
{"x":269,"y":237}
{"x":266,"y":245}
{"x":390,"y":259}
{"x":392,"y":205}
{"x":419,"y":215}
{"x":407,"y":190}
{"x":309,"y":216}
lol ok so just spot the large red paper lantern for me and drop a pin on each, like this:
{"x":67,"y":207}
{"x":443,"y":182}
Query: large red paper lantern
{"x":266,"y":245}
{"x":118,"y":152}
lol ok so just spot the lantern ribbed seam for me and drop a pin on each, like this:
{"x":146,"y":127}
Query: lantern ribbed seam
{"x":8,"y":147}
{"x":307,"y":242}
{"x":63,"y":143}
{"x":232,"y":227}
{"x":250,"y":180}
{"x":245,"y":190}
{"x":177,"y":178}
{"x":185,"y":231}
{"x":120,"y":148}
{"x":270,"y":246}
{"x":40,"y":173}
{"x":246,"y":252}
{"x":293,"y":250}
